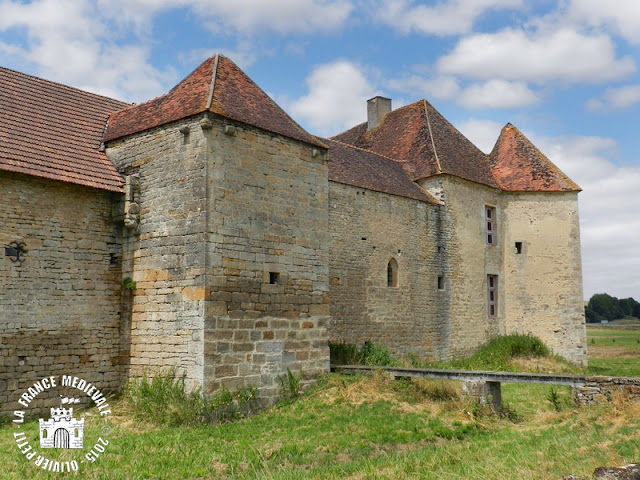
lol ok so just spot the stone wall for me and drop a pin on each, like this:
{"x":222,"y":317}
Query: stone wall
{"x":543,"y":283}
{"x":267,"y":258}
{"x":60,"y":306}
{"x":598,"y":389}
{"x":368,"y":229}
{"x":471,"y":259}
{"x":164,"y":247}
{"x":229,"y":254}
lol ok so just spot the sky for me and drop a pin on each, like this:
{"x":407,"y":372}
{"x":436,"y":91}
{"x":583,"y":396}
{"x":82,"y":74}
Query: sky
{"x":565,"y":72}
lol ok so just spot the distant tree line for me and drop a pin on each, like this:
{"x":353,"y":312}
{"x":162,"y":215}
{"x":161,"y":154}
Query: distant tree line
{"x":605,"y":307}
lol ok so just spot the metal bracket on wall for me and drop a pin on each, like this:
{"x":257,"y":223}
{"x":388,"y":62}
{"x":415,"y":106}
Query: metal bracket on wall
{"x":15,"y":250}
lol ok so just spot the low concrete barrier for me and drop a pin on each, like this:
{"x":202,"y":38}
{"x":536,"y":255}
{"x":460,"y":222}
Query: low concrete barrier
{"x":484,"y":386}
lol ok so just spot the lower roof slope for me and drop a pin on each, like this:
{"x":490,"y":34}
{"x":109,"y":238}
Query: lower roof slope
{"x":53,"y":131}
{"x":420,"y":139}
{"x":360,"y":168}
{"x":426,"y":144}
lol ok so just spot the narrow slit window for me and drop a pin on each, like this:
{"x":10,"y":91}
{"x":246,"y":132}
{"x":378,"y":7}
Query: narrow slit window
{"x":490,"y":225}
{"x":518,"y":248}
{"x":392,"y":273}
{"x":492,"y":295}
{"x":440,"y":282}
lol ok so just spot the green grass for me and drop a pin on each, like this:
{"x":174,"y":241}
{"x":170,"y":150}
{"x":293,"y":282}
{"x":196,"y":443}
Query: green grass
{"x":614,"y":349}
{"x":358,"y":427}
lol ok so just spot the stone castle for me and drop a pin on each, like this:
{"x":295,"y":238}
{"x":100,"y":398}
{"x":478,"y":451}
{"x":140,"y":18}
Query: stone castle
{"x":205,"y":229}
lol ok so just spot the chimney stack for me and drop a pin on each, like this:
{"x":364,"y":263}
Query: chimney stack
{"x":377,"y":107}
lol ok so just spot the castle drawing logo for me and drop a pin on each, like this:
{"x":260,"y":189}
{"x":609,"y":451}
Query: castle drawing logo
{"x":62,"y":430}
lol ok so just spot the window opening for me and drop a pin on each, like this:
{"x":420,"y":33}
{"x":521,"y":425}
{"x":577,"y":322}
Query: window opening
{"x":440,"y":282}
{"x":518,"y":248}
{"x":492,"y":295}
{"x":392,"y":273}
{"x":490,"y":222}
{"x":274,"y":278}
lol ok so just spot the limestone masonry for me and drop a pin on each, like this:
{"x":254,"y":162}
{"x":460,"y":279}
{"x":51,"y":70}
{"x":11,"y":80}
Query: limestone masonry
{"x":206,"y":230}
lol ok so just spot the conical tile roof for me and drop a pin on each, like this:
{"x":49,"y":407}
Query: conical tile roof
{"x":217,"y":86}
{"x":519,"y":166}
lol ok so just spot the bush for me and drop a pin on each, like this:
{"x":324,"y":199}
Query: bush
{"x":164,"y":400}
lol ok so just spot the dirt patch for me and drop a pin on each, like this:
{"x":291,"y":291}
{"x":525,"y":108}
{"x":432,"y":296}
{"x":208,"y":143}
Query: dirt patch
{"x":610,"y":351}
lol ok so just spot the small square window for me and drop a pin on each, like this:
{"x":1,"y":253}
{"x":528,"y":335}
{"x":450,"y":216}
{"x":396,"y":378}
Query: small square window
{"x":274,"y":278}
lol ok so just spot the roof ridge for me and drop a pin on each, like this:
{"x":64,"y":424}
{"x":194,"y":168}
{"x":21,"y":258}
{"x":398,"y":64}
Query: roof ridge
{"x":295,"y":124}
{"x":213,"y":81}
{"x":564,"y":176}
{"x":363,"y":150}
{"x":433,"y":142}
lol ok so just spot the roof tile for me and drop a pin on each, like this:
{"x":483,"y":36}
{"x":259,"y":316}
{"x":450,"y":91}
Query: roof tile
{"x":424,"y":142}
{"x":54,"y":131}
{"x":234,"y":96}
{"x":360,"y":168}
{"x":519,"y":166}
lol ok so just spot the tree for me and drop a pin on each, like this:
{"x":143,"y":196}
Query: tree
{"x":605,"y":307}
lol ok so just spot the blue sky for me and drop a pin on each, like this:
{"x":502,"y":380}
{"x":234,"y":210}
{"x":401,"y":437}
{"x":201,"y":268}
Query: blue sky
{"x":565,"y":72}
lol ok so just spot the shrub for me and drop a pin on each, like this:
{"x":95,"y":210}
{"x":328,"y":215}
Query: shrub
{"x":498,"y":352}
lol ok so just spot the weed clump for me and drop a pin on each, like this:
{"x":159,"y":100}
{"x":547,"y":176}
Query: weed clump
{"x":290,"y":386}
{"x":497,"y":354}
{"x":165,"y":400}
{"x":371,"y":354}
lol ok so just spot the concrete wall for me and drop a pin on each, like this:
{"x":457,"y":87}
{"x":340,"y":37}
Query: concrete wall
{"x":60,"y":306}
{"x":367,"y":230}
{"x":543,"y":284}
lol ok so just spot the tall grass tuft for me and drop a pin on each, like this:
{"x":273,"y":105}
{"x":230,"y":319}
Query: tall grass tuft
{"x":165,"y":400}
{"x":372,"y":354}
{"x":497,"y":354}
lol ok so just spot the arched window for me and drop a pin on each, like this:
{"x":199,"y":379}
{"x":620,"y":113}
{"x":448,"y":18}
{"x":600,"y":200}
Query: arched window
{"x":392,"y":273}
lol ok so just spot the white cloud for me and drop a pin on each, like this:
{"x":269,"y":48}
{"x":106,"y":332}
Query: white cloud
{"x":69,"y":43}
{"x":495,"y":93}
{"x":439,"y":86}
{"x":336,"y":100}
{"x":498,"y":93}
{"x":564,"y":54}
{"x":616,"y":98}
{"x":482,"y":133}
{"x":619,"y":16}
{"x":283,"y":16}
{"x":610,"y":224}
{"x":445,"y":18}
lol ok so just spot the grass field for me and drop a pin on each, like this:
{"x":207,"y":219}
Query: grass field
{"x":378,"y":428}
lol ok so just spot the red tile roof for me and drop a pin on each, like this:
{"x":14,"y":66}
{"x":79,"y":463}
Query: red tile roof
{"x":218,"y":86}
{"x":520,"y":167}
{"x":54,"y":131}
{"x":424,"y":142}
{"x":360,"y":168}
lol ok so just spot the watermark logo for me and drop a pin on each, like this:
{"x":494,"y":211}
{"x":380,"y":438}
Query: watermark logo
{"x":62,"y":430}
